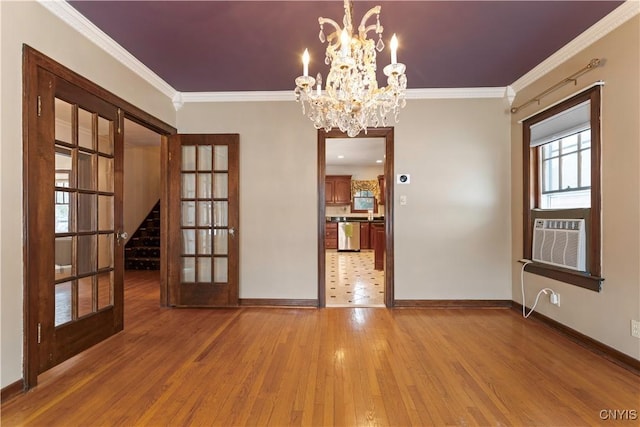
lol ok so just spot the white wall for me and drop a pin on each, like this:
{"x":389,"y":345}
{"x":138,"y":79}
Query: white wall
{"x":28,"y":22}
{"x":142,"y":183}
{"x":452,"y":239}
{"x":278,"y":193}
{"x":604,"y":316}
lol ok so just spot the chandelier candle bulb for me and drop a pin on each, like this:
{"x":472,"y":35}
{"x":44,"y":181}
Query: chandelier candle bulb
{"x":394,"y":49}
{"x":305,"y":63}
{"x":344,"y":42}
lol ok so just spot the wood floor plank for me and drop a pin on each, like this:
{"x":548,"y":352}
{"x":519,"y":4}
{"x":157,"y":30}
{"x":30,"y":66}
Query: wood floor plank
{"x":322,"y":367}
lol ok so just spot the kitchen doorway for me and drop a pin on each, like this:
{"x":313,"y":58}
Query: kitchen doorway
{"x":355,"y":241}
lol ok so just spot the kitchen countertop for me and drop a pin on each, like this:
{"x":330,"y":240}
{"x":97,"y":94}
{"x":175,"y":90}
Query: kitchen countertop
{"x":353,"y":219}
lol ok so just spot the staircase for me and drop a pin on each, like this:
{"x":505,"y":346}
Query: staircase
{"x":142,"y":251}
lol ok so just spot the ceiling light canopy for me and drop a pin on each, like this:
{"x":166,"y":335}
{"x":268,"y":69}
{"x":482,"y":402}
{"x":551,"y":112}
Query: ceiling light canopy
{"x":352,"y":100}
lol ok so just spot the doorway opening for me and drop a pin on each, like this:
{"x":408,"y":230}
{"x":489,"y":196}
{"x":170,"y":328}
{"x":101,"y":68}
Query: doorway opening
{"x":355,"y":219}
{"x":141,"y":198}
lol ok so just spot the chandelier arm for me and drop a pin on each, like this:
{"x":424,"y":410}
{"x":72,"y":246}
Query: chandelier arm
{"x":331,"y":22}
{"x":365,"y":18}
{"x":363,"y":33}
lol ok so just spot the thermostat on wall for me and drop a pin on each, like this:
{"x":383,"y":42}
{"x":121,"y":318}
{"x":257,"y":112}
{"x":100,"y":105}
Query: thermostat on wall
{"x":404,"y":178}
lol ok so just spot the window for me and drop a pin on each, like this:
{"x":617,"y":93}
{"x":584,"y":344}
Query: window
{"x":364,"y":200}
{"x":364,"y":195}
{"x":561,"y":172}
{"x":566,"y":172}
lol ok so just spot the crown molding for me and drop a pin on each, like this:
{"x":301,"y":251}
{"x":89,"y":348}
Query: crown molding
{"x":613,"y":20}
{"x":78,"y":22}
{"x":288,"y":95}
{"x":239,"y":96}
{"x":456,"y":93}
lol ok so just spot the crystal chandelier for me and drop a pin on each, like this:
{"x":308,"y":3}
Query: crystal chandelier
{"x":352,"y":100}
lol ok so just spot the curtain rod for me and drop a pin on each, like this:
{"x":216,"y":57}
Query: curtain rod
{"x":594,"y":63}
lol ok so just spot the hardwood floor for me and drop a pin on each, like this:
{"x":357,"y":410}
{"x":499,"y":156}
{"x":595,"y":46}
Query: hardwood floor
{"x":320,"y":367}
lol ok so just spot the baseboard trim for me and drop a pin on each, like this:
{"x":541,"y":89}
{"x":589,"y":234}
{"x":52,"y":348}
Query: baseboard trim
{"x":625,"y":361}
{"x":270,"y":302}
{"x":11,"y":391}
{"x":451,"y":303}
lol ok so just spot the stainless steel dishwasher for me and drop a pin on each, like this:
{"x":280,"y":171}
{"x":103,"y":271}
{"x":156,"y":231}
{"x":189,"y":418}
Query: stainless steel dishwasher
{"x":349,"y":236}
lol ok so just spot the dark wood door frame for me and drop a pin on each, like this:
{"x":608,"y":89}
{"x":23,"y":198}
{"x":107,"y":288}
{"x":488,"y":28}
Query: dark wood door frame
{"x":32,"y":62}
{"x":387,"y":134}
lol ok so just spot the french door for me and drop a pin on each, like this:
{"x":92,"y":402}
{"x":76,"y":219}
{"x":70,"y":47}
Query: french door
{"x":74,"y":214}
{"x":203,"y":220}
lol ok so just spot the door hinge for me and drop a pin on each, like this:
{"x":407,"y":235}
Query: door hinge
{"x":39,"y":106}
{"x":39,"y":333}
{"x":119,"y":120}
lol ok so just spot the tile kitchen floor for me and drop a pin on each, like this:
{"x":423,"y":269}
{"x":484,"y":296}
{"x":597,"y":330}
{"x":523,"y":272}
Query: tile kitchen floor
{"x":351,"y":280}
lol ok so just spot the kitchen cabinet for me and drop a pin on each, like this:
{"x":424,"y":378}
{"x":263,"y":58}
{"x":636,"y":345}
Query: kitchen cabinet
{"x":337,"y":189}
{"x":365,"y":240}
{"x":381,"y":185}
{"x":331,"y":235}
{"x":378,"y":237}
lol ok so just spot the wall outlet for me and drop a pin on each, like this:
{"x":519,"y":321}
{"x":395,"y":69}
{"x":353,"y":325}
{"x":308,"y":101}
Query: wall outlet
{"x":555,"y":299}
{"x":635,"y":328}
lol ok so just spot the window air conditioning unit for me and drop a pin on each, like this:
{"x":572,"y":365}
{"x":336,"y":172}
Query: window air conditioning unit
{"x":560,"y":242}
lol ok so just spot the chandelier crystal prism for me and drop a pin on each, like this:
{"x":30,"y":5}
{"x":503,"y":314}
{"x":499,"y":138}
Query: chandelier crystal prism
{"x":352,"y":100}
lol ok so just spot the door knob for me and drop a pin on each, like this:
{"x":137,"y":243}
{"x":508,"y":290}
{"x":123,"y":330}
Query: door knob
{"x":232,"y":231}
{"x":121,"y":235}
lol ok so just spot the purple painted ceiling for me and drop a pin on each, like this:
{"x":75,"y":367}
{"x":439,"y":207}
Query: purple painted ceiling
{"x":199,"y":46}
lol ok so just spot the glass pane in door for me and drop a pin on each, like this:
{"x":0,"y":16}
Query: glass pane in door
{"x":188,"y":270}
{"x":63,"y":303}
{"x":65,"y":206}
{"x":86,"y":212}
{"x":204,"y":185}
{"x":105,"y":213}
{"x":105,"y":174}
{"x":220,"y":268}
{"x":188,"y":185}
{"x":105,"y":251}
{"x":64,"y":113}
{"x":188,"y":158}
{"x":85,"y":129}
{"x":85,"y":296}
{"x":221,"y":160}
{"x":105,"y":136}
{"x":86,"y":168}
{"x":204,"y":270}
{"x":204,"y":157}
{"x":221,"y":186}
{"x":65,"y":174}
{"x":63,"y":254}
{"x":105,"y":290}
{"x":220,"y":243}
